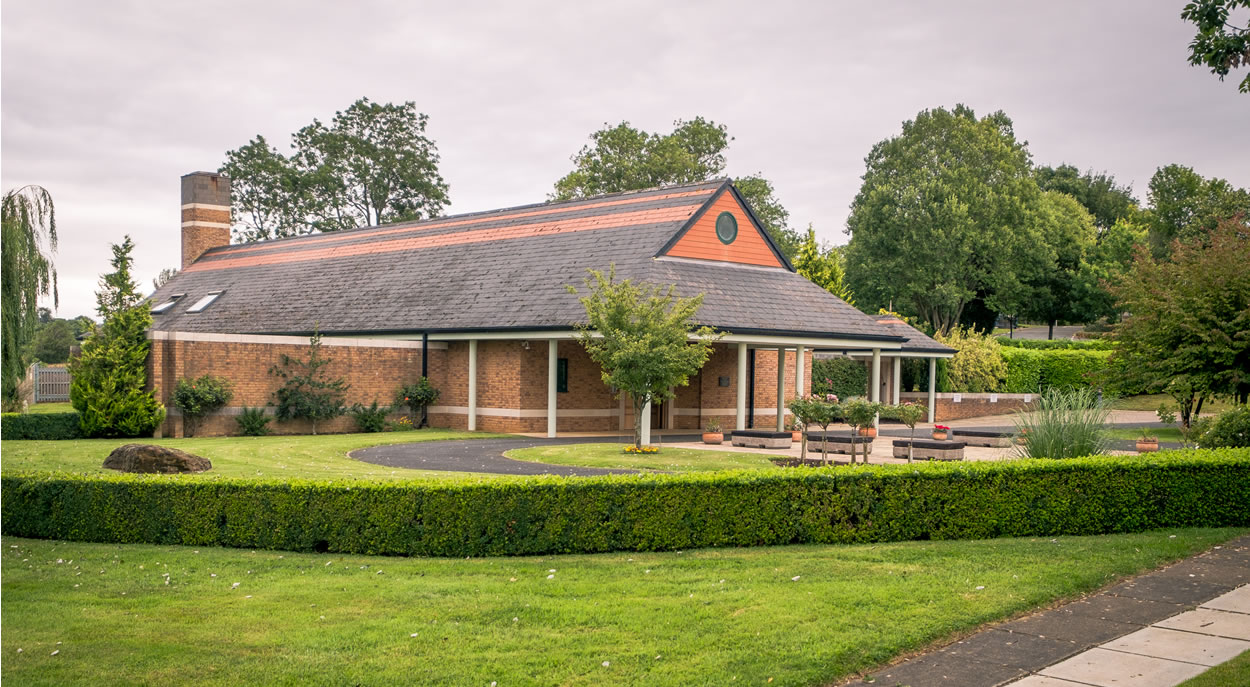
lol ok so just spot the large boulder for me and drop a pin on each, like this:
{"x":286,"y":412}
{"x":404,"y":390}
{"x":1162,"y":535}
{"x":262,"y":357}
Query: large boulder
{"x":150,"y":458}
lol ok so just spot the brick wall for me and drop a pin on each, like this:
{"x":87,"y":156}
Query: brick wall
{"x":972,"y":405}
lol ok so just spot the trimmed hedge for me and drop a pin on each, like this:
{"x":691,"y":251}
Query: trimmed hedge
{"x":1057,"y":344}
{"x":1029,"y":370}
{"x":544,"y":515}
{"x":846,"y":377}
{"x":41,"y":426}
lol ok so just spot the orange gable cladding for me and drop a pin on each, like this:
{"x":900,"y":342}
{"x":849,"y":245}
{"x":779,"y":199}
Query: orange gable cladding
{"x":701,"y":242}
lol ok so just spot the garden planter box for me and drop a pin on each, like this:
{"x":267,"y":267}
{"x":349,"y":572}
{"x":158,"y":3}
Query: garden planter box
{"x":838,"y":443}
{"x":927,"y":449}
{"x":973,"y":437}
{"x":756,"y":438}
{"x":1147,"y":446}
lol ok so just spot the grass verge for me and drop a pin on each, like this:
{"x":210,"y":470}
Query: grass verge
{"x":797,"y":615}
{"x":1163,"y":434}
{"x":307,"y":457}
{"x":1230,"y":673}
{"x":40,"y":408}
{"x":601,"y":455}
{"x":1151,"y":402}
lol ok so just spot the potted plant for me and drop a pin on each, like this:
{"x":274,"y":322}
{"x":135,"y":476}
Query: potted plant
{"x":1149,"y":443}
{"x":940,"y":432}
{"x":712,"y":433}
{"x":796,"y":430}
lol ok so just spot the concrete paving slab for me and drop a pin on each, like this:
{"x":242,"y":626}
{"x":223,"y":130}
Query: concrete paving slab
{"x":1169,"y":590}
{"x":1105,"y":668}
{"x":1176,"y":645}
{"x":1043,"y":681}
{"x":1216,"y":571}
{"x":939,"y":670}
{"x":1126,"y":609}
{"x":1237,"y":601}
{"x":1013,"y":649}
{"x":1084,"y":631}
{"x":1211,"y":622}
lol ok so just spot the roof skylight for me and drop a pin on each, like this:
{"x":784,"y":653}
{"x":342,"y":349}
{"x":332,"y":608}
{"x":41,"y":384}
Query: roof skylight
{"x":204,"y":302}
{"x":158,"y":309}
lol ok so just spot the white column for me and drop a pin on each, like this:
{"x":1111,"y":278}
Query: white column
{"x":781,"y":389}
{"x":646,"y":424}
{"x":472,"y":385}
{"x":670,"y":411}
{"x":898,"y":379}
{"x":932,"y":389}
{"x":742,"y":386}
{"x":876,"y":380}
{"x":799,"y":381}
{"x":552,"y":357}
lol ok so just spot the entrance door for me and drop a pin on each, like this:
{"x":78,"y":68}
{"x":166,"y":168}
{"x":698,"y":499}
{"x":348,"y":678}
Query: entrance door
{"x":658,"y":414}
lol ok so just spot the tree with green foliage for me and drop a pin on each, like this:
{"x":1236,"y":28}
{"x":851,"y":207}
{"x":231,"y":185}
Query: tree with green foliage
{"x":1068,"y":239}
{"x":1189,"y":334}
{"x":197,"y":398}
{"x":417,"y":398}
{"x":1185,"y":205}
{"x":1105,"y":200}
{"x":27,"y":242}
{"x":1107,"y":262}
{"x":373,"y":164}
{"x":860,"y":414}
{"x":107,"y":380}
{"x":624,"y":158}
{"x":53,"y":342}
{"x":643,"y":337}
{"x":977,"y":366}
{"x":823,"y":266}
{"x":164,"y":276}
{"x":308,"y":392}
{"x":942,"y":218}
{"x":815,"y":411}
{"x":909,"y":414}
{"x":1220,"y":45}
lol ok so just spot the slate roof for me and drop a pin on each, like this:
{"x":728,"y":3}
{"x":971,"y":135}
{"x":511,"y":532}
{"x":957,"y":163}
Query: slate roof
{"x":914,"y":340}
{"x":492,"y":271}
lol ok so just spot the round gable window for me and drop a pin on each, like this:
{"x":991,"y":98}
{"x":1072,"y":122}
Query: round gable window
{"x":726,"y":228}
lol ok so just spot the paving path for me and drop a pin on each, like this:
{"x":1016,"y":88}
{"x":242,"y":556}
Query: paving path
{"x":481,"y":455}
{"x":1155,"y":630}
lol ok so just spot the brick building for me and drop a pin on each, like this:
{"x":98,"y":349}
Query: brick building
{"x":478,"y":303}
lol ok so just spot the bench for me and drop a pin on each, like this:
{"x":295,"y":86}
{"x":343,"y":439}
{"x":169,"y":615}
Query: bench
{"x":758,"y":438}
{"x":838,"y":443}
{"x":973,"y":437}
{"x":930,"y":449}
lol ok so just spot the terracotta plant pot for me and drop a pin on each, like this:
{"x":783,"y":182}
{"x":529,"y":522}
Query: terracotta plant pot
{"x":940,"y":436}
{"x":713,"y":438}
{"x":1147,"y":445}
{"x":796,"y":436}
{"x":868,"y":431}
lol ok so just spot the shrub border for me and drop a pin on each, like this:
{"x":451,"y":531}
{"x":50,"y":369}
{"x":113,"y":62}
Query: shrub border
{"x":546,"y":515}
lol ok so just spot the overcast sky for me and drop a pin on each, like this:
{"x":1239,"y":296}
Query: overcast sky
{"x":107,"y":104}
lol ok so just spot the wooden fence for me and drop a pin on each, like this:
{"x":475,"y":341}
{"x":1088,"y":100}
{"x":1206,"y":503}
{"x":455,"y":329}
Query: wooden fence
{"x":50,"y":383}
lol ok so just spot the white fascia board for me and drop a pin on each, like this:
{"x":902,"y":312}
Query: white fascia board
{"x":769,"y":341}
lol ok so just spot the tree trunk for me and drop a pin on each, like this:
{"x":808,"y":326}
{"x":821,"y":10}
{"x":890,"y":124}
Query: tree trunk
{"x":853,"y":432}
{"x":824,"y":444}
{"x":638,"y":405}
{"x":1050,"y":333}
{"x":911,"y":445}
{"x":803,"y":446}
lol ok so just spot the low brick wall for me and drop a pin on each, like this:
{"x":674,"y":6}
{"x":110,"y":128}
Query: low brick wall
{"x":959,"y":406}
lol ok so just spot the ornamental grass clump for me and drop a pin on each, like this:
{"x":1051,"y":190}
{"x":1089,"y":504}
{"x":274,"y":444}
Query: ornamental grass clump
{"x":1066,"y":423}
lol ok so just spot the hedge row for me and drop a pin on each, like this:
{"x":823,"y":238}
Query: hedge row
{"x":1057,"y":344}
{"x":545,"y":515}
{"x":40,"y":426}
{"x":842,"y":376}
{"x":1029,"y":371}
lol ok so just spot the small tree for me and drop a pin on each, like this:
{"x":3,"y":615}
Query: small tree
{"x":309,"y":393}
{"x":108,"y":378}
{"x":416,"y":398}
{"x":909,"y":414}
{"x":643,"y":336}
{"x":859,"y":413}
{"x":978,"y":365}
{"x":26,"y":247}
{"x":814,"y":411}
{"x":196,"y":398}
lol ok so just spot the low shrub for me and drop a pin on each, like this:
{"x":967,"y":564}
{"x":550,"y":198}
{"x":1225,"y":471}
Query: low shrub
{"x":842,"y":377}
{"x":549,"y":515}
{"x":978,"y":364}
{"x":1230,"y":429}
{"x":1057,"y":344}
{"x":196,"y":398}
{"x":253,"y":422}
{"x":43,"y":426}
{"x":1066,"y":423}
{"x":370,"y":418}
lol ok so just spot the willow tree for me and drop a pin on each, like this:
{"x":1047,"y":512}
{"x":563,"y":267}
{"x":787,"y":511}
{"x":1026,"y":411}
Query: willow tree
{"x":29,"y":239}
{"x":644,"y":338}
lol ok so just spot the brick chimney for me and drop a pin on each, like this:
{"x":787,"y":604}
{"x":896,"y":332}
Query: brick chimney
{"x":205,"y":214}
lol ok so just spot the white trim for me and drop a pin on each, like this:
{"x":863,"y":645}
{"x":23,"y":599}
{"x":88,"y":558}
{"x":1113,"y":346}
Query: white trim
{"x":204,"y":206}
{"x":721,"y":263}
{"x":525,"y":412}
{"x":205,"y":337}
{"x":964,"y":396}
{"x":772,"y":341}
{"x":704,"y":412}
{"x":211,"y":225}
{"x":857,"y":353}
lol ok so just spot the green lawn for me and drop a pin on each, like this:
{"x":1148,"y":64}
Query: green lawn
{"x":1228,"y":674}
{"x":1163,"y":434}
{"x":1151,"y":402}
{"x":612,"y":455}
{"x":50,"y":408}
{"x":310,"y":457}
{"x":796,"y":615}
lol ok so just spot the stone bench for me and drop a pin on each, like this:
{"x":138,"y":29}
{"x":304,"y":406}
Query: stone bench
{"x":930,"y":449}
{"x":973,"y":437}
{"x":838,"y":443}
{"x":758,"y":438}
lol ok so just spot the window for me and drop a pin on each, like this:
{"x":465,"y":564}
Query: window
{"x":204,"y":302}
{"x":726,"y":228}
{"x":562,"y":375}
{"x":158,"y":309}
